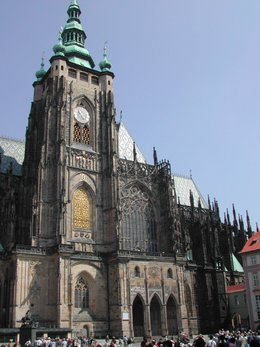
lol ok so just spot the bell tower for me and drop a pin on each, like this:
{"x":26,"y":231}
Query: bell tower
{"x":71,"y":148}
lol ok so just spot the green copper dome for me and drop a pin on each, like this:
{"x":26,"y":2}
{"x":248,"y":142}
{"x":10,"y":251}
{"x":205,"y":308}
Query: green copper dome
{"x":40,"y":73}
{"x":59,"y":48}
{"x":105,"y":64}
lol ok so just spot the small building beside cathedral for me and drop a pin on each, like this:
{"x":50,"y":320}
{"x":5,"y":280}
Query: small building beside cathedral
{"x":251,"y":262}
{"x":93,"y":239}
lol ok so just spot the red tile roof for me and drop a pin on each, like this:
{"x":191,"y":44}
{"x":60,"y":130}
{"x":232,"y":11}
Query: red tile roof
{"x":236,"y":288}
{"x":252,"y":244}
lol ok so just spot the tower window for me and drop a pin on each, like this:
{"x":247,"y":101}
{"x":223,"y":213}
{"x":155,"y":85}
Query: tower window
{"x":94,"y":80}
{"x":77,"y":133}
{"x":85,"y":135}
{"x":81,"y":135}
{"x":84,"y":77}
{"x":81,"y":293}
{"x":72,"y":73}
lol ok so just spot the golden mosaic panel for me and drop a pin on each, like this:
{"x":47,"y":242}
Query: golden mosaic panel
{"x":81,"y":210}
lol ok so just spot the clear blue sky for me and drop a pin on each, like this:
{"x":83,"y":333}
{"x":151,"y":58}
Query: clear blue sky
{"x":187,"y":77}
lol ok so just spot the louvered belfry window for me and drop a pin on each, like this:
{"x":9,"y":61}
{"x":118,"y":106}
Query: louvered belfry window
{"x":76,"y":133}
{"x":81,"y":134}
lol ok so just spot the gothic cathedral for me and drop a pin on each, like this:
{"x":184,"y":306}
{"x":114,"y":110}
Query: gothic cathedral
{"x":93,"y":239}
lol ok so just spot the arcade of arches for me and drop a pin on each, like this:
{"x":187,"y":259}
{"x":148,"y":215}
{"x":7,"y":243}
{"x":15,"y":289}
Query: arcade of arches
{"x":155,"y":318}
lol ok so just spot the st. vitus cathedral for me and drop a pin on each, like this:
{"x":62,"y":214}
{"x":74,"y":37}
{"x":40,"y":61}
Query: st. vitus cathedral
{"x":93,"y":239}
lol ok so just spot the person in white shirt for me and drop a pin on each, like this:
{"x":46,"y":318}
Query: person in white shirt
{"x":211,"y":342}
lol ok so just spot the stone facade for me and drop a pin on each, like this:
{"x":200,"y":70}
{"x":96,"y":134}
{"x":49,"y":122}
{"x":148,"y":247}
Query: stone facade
{"x":95,"y":242}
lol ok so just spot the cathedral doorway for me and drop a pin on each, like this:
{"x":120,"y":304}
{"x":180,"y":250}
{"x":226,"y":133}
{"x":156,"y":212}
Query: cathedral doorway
{"x":171,"y":310}
{"x":155,"y":314}
{"x":138,"y":317}
{"x":236,"y":321}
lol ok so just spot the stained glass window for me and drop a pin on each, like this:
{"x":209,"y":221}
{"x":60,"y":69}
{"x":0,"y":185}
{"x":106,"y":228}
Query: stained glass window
{"x":138,"y":228}
{"x":81,"y":209}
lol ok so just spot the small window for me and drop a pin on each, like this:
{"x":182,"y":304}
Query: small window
{"x":257,"y":301}
{"x":62,"y":67}
{"x":109,"y":83}
{"x":256,"y":280}
{"x":72,"y":73}
{"x":137,"y":271}
{"x":56,"y":67}
{"x":169,"y":273}
{"x":94,"y":80}
{"x":236,"y":300}
{"x":83,"y":77}
{"x":253,"y":260}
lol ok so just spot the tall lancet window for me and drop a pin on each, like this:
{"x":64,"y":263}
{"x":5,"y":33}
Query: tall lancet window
{"x":81,"y":293}
{"x":81,"y":209}
{"x":76,"y":133}
{"x":138,"y":224}
{"x":85,"y":135}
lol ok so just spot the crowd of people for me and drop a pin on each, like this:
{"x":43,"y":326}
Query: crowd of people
{"x":220,"y":339}
{"x":230,"y":339}
{"x":73,"y":342}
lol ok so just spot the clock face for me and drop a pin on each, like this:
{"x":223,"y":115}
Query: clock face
{"x":81,"y":114}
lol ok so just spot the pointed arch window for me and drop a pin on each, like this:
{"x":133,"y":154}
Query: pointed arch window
{"x":138,"y":228}
{"x":169,"y":273}
{"x":81,"y":134}
{"x":81,"y":209}
{"x":137,"y":271}
{"x":81,"y":293}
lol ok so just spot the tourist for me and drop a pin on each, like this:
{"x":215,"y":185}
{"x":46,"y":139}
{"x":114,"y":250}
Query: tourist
{"x":211,"y":342}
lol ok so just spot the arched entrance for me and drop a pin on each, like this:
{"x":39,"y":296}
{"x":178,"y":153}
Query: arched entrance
{"x":172,"y":316}
{"x":138,"y":317}
{"x":236,"y":321}
{"x":155,"y":314}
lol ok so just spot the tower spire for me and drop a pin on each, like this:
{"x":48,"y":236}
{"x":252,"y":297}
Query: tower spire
{"x":249,"y":229}
{"x":40,"y":73}
{"x":73,"y":38}
{"x":105,"y":64}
